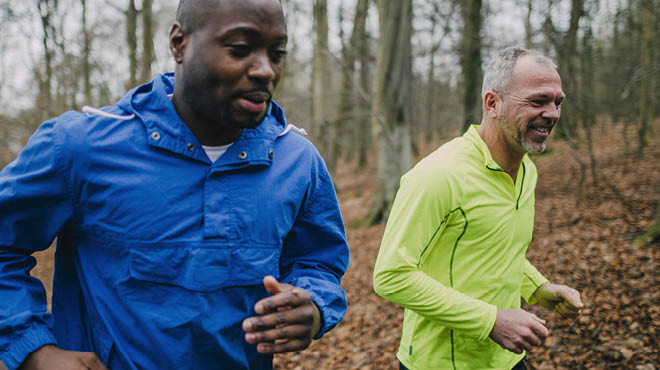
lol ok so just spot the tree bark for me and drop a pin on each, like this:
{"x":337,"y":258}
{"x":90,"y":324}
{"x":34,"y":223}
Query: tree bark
{"x":391,"y":103}
{"x":471,"y":62}
{"x":347,"y":115}
{"x":131,"y":41}
{"x":45,"y":99}
{"x":364,"y":121}
{"x":430,"y":79}
{"x":646,"y":87}
{"x":567,"y":54}
{"x":529,"y":31}
{"x":321,"y":131}
{"x":147,"y":41}
{"x":87,"y":47}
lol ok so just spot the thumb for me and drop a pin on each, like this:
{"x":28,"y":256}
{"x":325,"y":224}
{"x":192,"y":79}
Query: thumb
{"x":572,"y":297}
{"x":272,"y":285}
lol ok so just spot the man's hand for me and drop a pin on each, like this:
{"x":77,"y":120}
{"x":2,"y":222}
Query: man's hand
{"x":287,"y":321}
{"x":517,"y":330}
{"x":562,"y":300}
{"x":52,"y":358}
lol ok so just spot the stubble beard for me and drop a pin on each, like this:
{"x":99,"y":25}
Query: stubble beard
{"x":518,"y":136}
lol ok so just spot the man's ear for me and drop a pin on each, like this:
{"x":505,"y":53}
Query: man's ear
{"x":491,"y":101}
{"x":178,"y":41}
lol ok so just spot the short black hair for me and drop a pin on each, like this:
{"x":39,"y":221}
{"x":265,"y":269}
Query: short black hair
{"x":191,"y":14}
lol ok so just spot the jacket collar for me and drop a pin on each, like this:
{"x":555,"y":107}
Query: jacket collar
{"x":472,"y":136}
{"x":151,"y":104}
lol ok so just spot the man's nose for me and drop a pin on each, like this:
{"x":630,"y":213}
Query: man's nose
{"x":262,"y":68}
{"x":552,"y":111}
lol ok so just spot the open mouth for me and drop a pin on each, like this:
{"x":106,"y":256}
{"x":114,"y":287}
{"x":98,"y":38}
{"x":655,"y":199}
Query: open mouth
{"x":255,"y":102}
{"x":540,"y":130}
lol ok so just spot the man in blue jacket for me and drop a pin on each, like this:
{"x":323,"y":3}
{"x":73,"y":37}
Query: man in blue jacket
{"x":195,"y":228}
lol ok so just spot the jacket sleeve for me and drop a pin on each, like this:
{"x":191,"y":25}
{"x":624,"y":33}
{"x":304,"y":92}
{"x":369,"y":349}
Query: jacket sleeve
{"x":532,"y":279}
{"x":34,"y":204}
{"x":315,"y":252}
{"x":420,"y":210}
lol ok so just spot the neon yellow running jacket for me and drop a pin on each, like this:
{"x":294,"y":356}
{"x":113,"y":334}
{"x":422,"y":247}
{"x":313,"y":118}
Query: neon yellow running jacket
{"x":454,"y":251}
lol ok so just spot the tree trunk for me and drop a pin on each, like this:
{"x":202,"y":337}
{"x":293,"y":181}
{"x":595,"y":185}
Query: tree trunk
{"x":321,"y":131}
{"x":430,"y":80}
{"x":364,"y":120}
{"x":567,"y":50}
{"x":588,"y":105}
{"x":471,"y":62}
{"x":548,"y":28}
{"x":131,"y":41}
{"x":392,"y":103}
{"x":147,"y":41}
{"x":45,"y":99}
{"x":347,"y":115}
{"x":645,"y":64}
{"x":529,"y":31}
{"x":616,"y":46}
{"x":87,"y":47}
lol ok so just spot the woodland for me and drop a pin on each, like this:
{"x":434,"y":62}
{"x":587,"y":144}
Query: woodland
{"x":379,"y":84}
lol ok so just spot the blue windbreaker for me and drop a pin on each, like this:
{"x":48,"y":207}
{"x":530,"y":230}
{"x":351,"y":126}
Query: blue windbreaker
{"x":161,"y":253}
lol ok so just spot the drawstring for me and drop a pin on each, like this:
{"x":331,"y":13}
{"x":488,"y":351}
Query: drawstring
{"x":91,"y":110}
{"x":290,"y":127}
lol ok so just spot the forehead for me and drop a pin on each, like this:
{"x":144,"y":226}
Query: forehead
{"x":531,"y":77}
{"x":255,"y":14}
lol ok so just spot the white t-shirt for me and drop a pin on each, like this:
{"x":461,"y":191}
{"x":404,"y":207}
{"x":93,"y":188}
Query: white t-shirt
{"x":214,"y":152}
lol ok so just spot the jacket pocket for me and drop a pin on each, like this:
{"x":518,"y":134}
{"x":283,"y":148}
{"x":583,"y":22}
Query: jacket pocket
{"x":204,"y":268}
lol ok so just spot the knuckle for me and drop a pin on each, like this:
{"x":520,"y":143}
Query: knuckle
{"x":281,"y":318}
{"x":290,"y":299}
{"x":267,"y":306}
{"x":284,"y":332}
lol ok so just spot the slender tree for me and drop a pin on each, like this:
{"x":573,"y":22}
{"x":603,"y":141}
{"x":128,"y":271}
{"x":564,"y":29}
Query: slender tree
{"x":364,"y":58}
{"x":471,"y":61}
{"x":529,"y":30}
{"x":46,"y":9}
{"x":646,"y":87}
{"x":587,"y":103}
{"x":391,"y":103}
{"x":348,"y":94}
{"x":87,"y":48}
{"x":131,"y":41}
{"x":147,"y":41}
{"x":321,"y":130}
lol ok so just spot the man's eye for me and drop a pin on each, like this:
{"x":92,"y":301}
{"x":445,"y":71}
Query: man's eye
{"x":239,"y":50}
{"x":278,"y":55}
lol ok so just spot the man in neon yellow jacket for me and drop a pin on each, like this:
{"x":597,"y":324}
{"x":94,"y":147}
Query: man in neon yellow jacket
{"x":453,"y":252}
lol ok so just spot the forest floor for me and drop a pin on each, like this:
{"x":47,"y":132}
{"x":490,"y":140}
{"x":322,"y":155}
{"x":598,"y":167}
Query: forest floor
{"x":589,"y":246}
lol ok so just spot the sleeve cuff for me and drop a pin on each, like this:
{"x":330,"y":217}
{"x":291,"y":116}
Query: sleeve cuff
{"x":532,"y":281}
{"x":30,"y":342}
{"x":322,"y":309}
{"x":330,"y":302}
{"x":490,"y":323}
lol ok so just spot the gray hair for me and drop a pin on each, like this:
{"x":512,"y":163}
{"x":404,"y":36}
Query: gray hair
{"x":500,"y":69}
